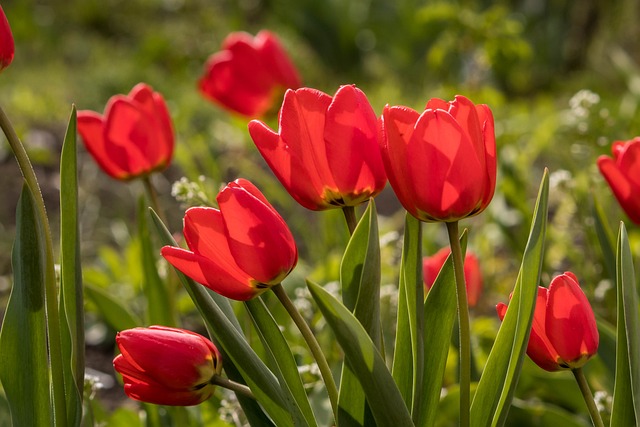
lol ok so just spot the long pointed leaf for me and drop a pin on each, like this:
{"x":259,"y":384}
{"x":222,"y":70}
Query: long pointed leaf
{"x":364,"y":359}
{"x":605,"y":237}
{"x":440,"y":314}
{"x":23,"y":339}
{"x":360,"y":280}
{"x":71,"y":296}
{"x":287,"y":370}
{"x":499,"y":379}
{"x":253,"y":370}
{"x":626,"y":396}
{"x":408,"y":356}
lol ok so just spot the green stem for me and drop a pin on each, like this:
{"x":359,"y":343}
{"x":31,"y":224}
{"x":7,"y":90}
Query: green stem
{"x":51,"y":295}
{"x":313,"y":344}
{"x":152,"y":195}
{"x":232,"y":385}
{"x":588,"y":397}
{"x":350,"y":216}
{"x":463,"y":322}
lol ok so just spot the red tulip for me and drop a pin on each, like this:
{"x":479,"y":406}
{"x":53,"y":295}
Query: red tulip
{"x":473,"y":277}
{"x":240,"y":250}
{"x":564,"y":334}
{"x":7,"y":47}
{"x":326,"y":150}
{"x":248,"y":73}
{"x":167,"y":366}
{"x":622,"y":172}
{"x":441,"y":163}
{"x":133,"y":138}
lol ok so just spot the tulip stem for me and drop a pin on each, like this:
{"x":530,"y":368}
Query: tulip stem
{"x":313,"y":344}
{"x":588,"y":397}
{"x":350,"y":216}
{"x":50,"y":290}
{"x":152,"y":194}
{"x":233,"y":386}
{"x":463,"y":323}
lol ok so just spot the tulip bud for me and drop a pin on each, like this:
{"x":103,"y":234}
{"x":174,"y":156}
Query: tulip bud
{"x":472,"y":275}
{"x":167,"y":366}
{"x":564,"y":333}
{"x":133,"y":138}
{"x":239,"y":250}
{"x":622,"y":172}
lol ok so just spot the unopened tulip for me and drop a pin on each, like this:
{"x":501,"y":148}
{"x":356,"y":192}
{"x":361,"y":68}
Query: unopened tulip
{"x":7,"y":47}
{"x":326,"y":151}
{"x":133,"y":138}
{"x":248,"y":73}
{"x":622,"y":172}
{"x":239,"y":250}
{"x":473,"y":277}
{"x":564,"y":334}
{"x":441,"y":163}
{"x":167,"y":366}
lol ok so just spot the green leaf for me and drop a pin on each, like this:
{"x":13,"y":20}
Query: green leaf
{"x":409,"y":350}
{"x":23,"y":340}
{"x":605,"y":237}
{"x":497,"y":384}
{"x":116,"y":314}
{"x":440,"y":314}
{"x":257,"y":376}
{"x":159,"y":311}
{"x":287,"y":369}
{"x":71,"y":296}
{"x":360,"y":282}
{"x":364,"y":359}
{"x":626,"y":395}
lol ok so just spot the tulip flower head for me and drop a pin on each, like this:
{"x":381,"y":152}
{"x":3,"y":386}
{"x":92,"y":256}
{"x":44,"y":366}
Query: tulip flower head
{"x":239,"y":250}
{"x":7,"y":47}
{"x":473,"y":277}
{"x":167,"y":366}
{"x":441,"y":163}
{"x":133,"y":138}
{"x":622,"y":172}
{"x":326,"y":150}
{"x":248,"y":73}
{"x":564,"y":333}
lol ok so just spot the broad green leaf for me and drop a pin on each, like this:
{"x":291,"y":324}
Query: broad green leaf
{"x":408,"y":355}
{"x":364,"y":359}
{"x":360,"y":283}
{"x":626,"y":396}
{"x":440,"y":314}
{"x":111,"y":309}
{"x":23,"y":339}
{"x":71,"y":296}
{"x":287,"y":369}
{"x":159,"y":311}
{"x":605,"y":237}
{"x":257,"y":376}
{"x":497,"y":384}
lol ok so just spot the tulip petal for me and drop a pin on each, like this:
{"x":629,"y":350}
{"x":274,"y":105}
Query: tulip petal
{"x":397,"y":125}
{"x":628,"y":162}
{"x":276,"y":60}
{"x":445,"y":167}
{"x":206,"y":272}
{"x":91,"y":128}
{"x":540,"y":349}
{"x":570,"y":323}
{"x":159,"y":396}
{"x":259,"y":239}
{"x":152,"y":103}
{"x":485,"y":116}
{"x":351,"y":137}
{"x":622,"y":188}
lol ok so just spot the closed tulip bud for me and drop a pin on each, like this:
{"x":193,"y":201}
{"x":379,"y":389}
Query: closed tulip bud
{"x":167,"y":366}
{"x":239,"y":250}
{"x":564,"y":333}
{"x":133,"y":138}
{"x":472,"y":275}
{"x":622,"y":172}
{"x":326,"y":150}
{"x":248,"y":73}
{"x":441,"y":163}
{"x":7,"y":47}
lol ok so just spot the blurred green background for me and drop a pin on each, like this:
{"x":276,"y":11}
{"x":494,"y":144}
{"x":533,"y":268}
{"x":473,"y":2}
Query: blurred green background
{"x":562,"y":78}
